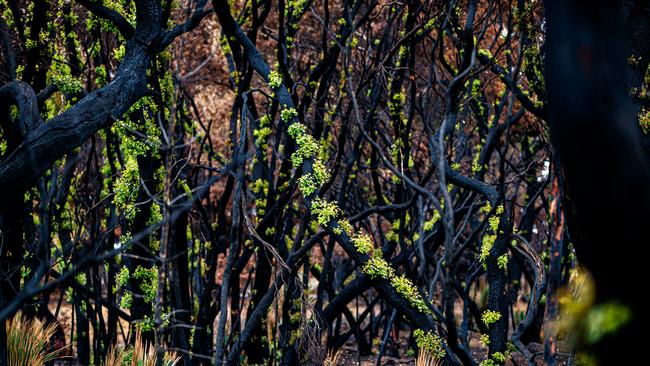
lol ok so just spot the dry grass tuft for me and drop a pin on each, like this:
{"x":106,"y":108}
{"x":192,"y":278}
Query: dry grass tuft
{"x":28,"y":342}
{"x":140,"y":354}
{"x":426,"y":359}
{"x":332,"y":358}
{"x":115,"y":357}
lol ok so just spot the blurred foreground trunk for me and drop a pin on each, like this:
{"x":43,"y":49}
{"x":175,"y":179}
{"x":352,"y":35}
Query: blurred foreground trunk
{"x":593,"y":130}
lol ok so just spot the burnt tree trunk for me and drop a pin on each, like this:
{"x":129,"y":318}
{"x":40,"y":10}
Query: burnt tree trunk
{"x":593,"y":130}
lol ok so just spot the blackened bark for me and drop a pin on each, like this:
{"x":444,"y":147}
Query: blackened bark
{"x":36,"y":60}
{"x":497,"y":295}
{"x":11,"y":252}
{"x":180,"y":285}
{"x":257,"y":349}
{"x":637,"y":29}
{"x":46,"y":143}
{"x":141,"y":249}
{"x":556,"y":248}
{"x":83,"y":336}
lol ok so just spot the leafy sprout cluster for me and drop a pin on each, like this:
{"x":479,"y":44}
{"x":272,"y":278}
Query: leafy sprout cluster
{"x":491,"y":235}
{"x":430,"y":343}
{"x":490,"y":317}
{"x":275,"y":79}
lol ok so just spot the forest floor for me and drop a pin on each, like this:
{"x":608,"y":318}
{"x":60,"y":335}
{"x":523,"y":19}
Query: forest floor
{"x":350,"y":355}
{"x":397,"y":354}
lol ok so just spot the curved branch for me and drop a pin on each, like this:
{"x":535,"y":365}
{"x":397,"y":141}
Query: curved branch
{"x":196,"y":18}
{"x":103,"y":12}
{"x":48,"y":142}
{"x":524,"y":248}
{"x":536,"y":109}
{"x":472,"y":184}
{"x":23,"y":97}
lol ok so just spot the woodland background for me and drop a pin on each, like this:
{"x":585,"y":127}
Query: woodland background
{"x":323,"y":182}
